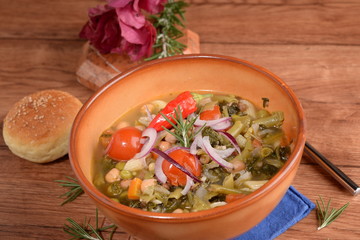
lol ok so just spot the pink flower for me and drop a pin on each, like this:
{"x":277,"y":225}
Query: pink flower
{"x":121,"y":28}
{"x":130,"y":16}
{"x":102,"y":29}
{"x":135,"y":51}
{"x":151,"y":6}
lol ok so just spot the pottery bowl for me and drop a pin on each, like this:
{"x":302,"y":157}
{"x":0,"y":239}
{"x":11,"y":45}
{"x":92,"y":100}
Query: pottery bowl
{"x":175,"y":74}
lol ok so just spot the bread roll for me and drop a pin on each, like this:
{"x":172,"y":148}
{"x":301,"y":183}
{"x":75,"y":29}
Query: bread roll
{"x":37,"y":128}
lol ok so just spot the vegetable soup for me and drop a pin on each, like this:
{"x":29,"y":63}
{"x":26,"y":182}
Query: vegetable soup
{"x":190,"y":152}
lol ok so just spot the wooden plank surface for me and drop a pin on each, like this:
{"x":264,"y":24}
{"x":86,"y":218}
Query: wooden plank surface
{"x":313,"y":45}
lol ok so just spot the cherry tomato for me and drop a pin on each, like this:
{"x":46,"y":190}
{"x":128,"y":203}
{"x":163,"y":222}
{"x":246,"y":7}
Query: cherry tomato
{"x":212,"y":114}
{"x":233,"y":197}
{"x":174,"y":175}
{"x":125,"y":143}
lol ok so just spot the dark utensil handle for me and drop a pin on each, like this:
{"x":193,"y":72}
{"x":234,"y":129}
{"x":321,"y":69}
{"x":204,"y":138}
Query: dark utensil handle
{"x":339,"y":175}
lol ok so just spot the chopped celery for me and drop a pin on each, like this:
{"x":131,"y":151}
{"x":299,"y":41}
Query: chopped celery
{"x":273,"y":137}
{"x":225,"y":98}
{"x":236,"y":129}
{"x":245,"y":120}
{"x":241,"y":140}
{"x":254,"y":185}
{"x":265,"y":151}
{"x":120,"y":165}
{"x":176,"y":193}
{"x":245,"y":154}
{"x":275,"y":119}
{"x":200,"y":204}
{"x":262,"y":113}
{"x":245,"y":176}
{"x":224,"y":190}
{"x":229,"y":181}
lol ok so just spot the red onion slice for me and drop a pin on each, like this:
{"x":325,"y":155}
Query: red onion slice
{"x":196,"y":143}
{"x":222,"y":125}
{"x":218,"y":124}
{"x":189,"y":184}
{"x":213,"y":154}
{"x":224,"y":153}
{"x":159,"y":173}
{"x":199,"y":122}
{"x":232,"y":140}
{"x":151,"y":133}
{"x":148,"y":113}
{"x":176,"y":164}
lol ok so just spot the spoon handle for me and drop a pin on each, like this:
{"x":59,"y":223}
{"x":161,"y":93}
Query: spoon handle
{"x":334,"y":171}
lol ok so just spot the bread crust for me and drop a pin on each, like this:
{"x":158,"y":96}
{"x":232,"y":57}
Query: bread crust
{"x":37,"y":127}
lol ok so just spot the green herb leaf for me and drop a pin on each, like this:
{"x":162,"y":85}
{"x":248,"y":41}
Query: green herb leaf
{"x":325,"y":215}
{"x":74,"y":192}
{"x":183,"y":128}
{"x":166,"y":24}
{"x":86,"y":230}
{"x":265,"y":102}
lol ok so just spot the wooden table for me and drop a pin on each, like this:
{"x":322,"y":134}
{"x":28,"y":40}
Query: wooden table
{"x":314,"y":45}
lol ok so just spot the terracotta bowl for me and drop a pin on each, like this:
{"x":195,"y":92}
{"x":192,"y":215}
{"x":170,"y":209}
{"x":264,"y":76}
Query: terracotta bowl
{"x":176,"y":74}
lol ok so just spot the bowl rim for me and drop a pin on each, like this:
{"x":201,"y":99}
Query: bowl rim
{"x":93,"y":192}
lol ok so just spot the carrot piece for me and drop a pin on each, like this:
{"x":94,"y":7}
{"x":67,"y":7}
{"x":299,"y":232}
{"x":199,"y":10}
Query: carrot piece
{"x":213,"y":114}
{"x":134,"y":189}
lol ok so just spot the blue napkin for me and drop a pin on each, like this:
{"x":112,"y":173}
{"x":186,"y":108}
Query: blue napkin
{"x":291,"y":209}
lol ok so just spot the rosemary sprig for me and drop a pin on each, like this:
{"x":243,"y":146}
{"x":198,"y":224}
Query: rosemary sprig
{"x":166,"y":24}
{"x":325,"y":215}
{"x":86,"y":230}
{"x":74,"y":192}
{"x":183,"y":127}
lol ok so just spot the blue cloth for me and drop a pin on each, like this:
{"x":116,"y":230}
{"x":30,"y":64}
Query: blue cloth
{"x":291,"y":209}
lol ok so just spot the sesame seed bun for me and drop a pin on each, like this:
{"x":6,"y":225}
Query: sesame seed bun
{"x":37,"y":128}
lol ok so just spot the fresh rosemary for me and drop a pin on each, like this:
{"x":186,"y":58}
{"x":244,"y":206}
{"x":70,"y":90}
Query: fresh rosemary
{"x":325,"y":215}
{"x":74,"y":192}
{"x":87,"y":231}
{"x":167,"y":24}
{"x":183,"y":128}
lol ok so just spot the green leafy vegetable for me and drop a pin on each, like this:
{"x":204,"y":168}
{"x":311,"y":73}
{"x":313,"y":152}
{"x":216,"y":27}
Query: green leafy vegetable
{"x":74,"y":192}
{"x":325,"y":215}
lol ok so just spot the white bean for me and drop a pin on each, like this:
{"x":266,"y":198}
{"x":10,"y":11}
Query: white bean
{"x":164,"y":145}
{"x":152,"y":167}
{"x":238,"y":165}
{"x":113,"y":175}
{"x":170,"y":138}
{"x":147,"y":183}
{"x":178,"y":210}
{"x":125,"y":183}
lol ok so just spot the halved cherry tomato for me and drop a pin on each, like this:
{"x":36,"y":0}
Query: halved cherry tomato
{"x":174,"y":175}
{"x":212,"y":114}
{"x":124,"y":143}
{"x":233,"y":197}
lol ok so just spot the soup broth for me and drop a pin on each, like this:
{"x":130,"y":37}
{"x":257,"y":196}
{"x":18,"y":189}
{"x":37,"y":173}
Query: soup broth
{"x":189,"y":152}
